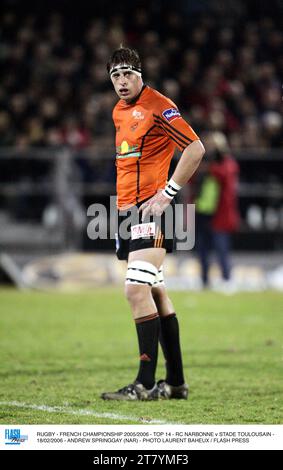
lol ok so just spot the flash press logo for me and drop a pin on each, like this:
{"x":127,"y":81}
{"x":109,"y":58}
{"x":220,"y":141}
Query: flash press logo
{"x":13,"y":437}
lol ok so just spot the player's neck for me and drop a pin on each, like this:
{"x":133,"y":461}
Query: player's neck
{"x":133,"y":100}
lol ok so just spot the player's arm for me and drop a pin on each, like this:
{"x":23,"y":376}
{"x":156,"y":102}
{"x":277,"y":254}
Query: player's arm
{"x":188,"y":163}
{"x":192,"y":152}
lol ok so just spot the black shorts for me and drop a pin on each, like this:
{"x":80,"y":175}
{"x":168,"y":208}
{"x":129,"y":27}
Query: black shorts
{"x":154,"y":232}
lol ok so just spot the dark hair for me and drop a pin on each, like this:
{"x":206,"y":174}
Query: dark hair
{"x":124,"y":55}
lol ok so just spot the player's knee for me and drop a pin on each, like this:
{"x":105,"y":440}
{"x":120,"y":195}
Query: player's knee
{"x":140,"y":278}
{"x":136,"y":294}
{"x":159,"y":293}
{"x":162,"y":301}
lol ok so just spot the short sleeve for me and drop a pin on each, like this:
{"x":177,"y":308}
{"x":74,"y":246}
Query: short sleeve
{"x":169,"y":119}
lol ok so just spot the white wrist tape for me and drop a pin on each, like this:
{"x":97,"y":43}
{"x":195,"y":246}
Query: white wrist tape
{"x":171,"y":189}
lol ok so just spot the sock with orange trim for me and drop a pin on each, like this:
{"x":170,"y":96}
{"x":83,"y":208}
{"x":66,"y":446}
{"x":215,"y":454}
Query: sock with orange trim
{"x":148,"y":335}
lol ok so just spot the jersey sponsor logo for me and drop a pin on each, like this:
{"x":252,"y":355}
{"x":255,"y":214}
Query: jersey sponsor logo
{"x":171,"y":114}
{"x":126,"y":151}
{"x":143,"y":230}
{"x":124,"y":147}
{"x":137,"y":114}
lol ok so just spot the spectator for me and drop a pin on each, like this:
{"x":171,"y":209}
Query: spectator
{"x":225,"y":220}
{"x":206,"y":200}
{"x":217,"y":214}
{"x":52,"y":68}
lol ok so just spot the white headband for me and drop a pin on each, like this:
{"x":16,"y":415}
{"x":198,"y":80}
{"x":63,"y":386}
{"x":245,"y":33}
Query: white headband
{"x":125,"y":68}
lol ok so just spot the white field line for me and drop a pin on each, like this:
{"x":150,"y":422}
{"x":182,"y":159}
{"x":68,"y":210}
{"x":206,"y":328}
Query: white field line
{"x":82,"y":412}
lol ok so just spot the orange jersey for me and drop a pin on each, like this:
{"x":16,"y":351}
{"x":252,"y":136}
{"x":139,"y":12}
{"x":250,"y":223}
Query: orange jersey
{"x":147,"y":132}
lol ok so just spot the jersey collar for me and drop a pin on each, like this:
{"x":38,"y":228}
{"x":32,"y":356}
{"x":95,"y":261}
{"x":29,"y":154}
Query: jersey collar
{"x":134,"y":100}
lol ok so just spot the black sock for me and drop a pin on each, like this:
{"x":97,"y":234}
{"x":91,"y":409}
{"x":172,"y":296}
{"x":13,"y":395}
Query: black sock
{"x":148,"y":334}
{"x":170,"y":343}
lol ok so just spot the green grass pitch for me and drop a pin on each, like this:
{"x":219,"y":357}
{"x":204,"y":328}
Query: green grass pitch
{"x":60,"y":351}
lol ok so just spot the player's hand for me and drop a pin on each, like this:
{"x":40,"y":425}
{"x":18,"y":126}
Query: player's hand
{"x":156,"y":205}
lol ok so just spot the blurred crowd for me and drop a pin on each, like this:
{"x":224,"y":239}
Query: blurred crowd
{"x":223,"y":73}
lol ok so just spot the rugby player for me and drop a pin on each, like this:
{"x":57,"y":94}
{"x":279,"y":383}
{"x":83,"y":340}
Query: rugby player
{"x":149,"y":127}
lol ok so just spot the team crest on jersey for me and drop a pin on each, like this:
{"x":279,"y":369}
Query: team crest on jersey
{"x":171,"y":114}
{"x":134,"y":126}
{"x":137,"y":115}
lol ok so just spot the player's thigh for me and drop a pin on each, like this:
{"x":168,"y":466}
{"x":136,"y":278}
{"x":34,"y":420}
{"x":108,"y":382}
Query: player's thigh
{"x":154,"y":256}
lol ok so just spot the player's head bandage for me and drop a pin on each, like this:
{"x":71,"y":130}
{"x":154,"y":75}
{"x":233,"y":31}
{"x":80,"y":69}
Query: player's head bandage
{"x":159,"y":278}
{"x":141,"y":272}
{"x":125,"y":68}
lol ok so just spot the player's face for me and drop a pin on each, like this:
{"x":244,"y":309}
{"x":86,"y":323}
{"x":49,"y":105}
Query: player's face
{"x":126,"y":84}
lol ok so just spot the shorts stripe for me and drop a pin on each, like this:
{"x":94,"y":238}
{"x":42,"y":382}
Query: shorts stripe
{"x":158,"y":239}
